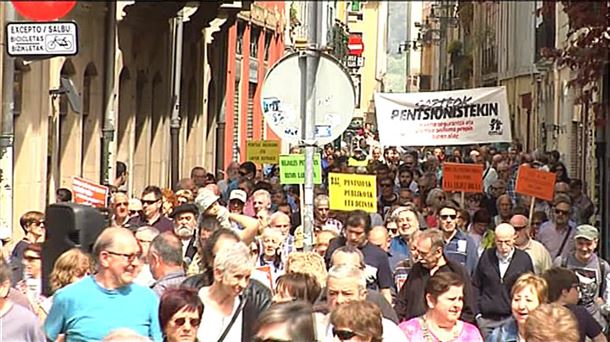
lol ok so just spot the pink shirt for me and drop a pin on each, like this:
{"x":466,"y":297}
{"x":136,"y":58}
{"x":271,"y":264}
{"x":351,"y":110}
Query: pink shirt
{"x":414,"y":332}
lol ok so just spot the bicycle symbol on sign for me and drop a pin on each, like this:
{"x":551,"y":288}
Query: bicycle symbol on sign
{"x":59,"y":42}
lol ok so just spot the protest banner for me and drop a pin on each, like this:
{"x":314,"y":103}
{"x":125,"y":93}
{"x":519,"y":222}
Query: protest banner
{"x":292,"y":169}
{"x":535,"y":183}
{"x":87,"y":192}
{"x":462,"y":177}
{"x":263,"y":151}
{"x":349,"y":192}
{"x":459,"y":117}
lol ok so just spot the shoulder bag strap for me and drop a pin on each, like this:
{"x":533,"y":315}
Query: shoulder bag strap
{"x":233,"y":319}
{"x":563,"y":243}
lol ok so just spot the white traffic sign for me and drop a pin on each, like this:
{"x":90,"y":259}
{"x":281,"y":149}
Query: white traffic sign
{"x":57,"y":38}
{"x":281,"y":99}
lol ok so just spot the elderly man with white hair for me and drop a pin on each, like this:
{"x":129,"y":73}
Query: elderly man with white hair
{"x":344,"y":284}
{"x":498,"y":269}
{"x":541,"y":259}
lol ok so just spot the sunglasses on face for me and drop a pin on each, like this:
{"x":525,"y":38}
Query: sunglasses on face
{"x":149,"y":202}
{"x":445,"y":217}
{"x":561,"y":212}
{"x":519,"y":228}
{"x":343,"y":334}
{"x":387,"y":185}
{"x":31,"y":257}
{"x":194,"y":322}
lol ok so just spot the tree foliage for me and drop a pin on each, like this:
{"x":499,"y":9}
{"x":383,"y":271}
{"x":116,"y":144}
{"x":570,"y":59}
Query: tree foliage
{"x":587,"y":46}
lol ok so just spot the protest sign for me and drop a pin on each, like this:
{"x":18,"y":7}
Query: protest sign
{"x":263,"y":151}
{"x":349,"y":192}
{"x":462,"y":177}
{"x":355,"y":162}
{"x":292,"y":169}
{"x":88,"y":192}
{"x":535,"y":183}
{"x":459,"y":117}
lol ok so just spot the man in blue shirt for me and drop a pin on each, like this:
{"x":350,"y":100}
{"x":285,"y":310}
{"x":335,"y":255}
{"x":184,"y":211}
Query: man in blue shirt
{"x":91,"y":308}
{"x":459,"y":247}
{"x":407,"y":221}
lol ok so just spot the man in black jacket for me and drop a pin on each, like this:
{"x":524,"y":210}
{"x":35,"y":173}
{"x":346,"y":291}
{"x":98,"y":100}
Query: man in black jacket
{"x":498,"y":269}
{"x":430,"y":259}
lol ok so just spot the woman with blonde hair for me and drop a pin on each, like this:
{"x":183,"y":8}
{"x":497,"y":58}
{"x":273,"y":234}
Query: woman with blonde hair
{"x":527,"y":293}
{"x":551,"y":322}
{"x":70,"y":267}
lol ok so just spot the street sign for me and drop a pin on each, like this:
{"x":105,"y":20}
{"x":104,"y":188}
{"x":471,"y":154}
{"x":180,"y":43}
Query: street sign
{"x":334,"y":103}
{"x":355,"y":45}
{"x":57,"y":38}
{"x":44,"y":10}
{"x":354,"y":61}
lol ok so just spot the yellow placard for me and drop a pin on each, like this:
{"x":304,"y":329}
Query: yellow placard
{"x":355,"y":162}
{"x":263,"y":151}
{"x":349,"y":192}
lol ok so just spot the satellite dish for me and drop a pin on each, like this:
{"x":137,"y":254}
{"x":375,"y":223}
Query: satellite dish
{"x":334,"y":104}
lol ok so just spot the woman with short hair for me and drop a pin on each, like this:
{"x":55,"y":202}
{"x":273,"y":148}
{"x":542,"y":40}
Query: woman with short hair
{"x":180,"y":312}
{"x":357,"y":321}
{"x":297,"y":286}
{"x":444,"y":295}
{"x":551,"y":322}
{"x":528,"y":292}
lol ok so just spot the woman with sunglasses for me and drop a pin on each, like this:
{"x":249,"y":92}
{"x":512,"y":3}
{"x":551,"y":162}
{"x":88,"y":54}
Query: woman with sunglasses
{"x":444,"y":296}
{"x":357,"y":321}
{"x":180,"y":314}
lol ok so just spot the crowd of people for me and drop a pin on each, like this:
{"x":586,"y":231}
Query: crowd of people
{"x":226,"y":259}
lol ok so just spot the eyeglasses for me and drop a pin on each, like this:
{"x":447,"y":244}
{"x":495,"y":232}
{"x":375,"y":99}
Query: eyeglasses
{"x":444,"y":217}
{"x":561,"y":212}
{"x":344,"y":335}
{"x":38,"y":223}
{"x":519,"y":228}
{"x":194,"y":322}
{"x":387,"y":185}
{"x":121,"y":204}
{"x":575,"y":286}
{"x":149,"y":202}
{"x":129,"y":257}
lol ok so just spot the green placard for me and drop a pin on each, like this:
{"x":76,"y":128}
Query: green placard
{"x":292,"y":169}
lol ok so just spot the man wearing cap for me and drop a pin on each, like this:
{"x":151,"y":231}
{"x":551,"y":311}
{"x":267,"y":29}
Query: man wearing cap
{"x":208,"y":205}
{"x":237,"y":200}
{"x":590,"y":269}
{"x":185,"y":224}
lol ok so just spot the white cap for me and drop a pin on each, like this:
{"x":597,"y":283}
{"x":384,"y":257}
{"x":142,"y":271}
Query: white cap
{"x":238,"y":194}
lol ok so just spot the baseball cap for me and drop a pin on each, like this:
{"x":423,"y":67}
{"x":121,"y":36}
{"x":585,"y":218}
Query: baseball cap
{"x":586,"y":231}
{"x":238,"y":194}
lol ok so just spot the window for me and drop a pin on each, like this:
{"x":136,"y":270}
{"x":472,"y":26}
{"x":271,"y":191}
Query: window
{"x":254,"y":35}
{"x":268,"y":37}
{"x":545,"y":27}
{"x":240,"y":38}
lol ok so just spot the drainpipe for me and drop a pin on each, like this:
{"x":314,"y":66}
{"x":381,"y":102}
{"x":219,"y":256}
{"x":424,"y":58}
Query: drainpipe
{"x":174,"y":123}
{"x":109,"y":96}
{"x":7,"y":133}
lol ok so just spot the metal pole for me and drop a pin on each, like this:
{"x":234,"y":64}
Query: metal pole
{"x":408,"y":48}
{"x":109,"y":94}
{"x":174,"y":123}
{"x":7,"y":133}
{"x":308,"y":103}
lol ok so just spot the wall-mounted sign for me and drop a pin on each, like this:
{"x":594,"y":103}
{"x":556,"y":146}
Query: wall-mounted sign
{"x":57,"y":38}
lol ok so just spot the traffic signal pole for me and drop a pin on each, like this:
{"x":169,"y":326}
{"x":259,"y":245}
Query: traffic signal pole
{"x":308,"y":62}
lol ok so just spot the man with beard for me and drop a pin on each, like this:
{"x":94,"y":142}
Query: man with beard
{"x":185,"y":223}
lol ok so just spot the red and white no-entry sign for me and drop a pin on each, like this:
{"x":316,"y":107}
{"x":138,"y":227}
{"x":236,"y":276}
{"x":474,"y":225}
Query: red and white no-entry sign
{"x":355,"y":44}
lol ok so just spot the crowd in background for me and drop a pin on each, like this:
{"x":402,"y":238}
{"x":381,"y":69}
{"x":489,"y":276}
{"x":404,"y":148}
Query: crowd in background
{"x":223,"y":259}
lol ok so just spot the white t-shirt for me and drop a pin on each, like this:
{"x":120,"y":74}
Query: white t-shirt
{"x":216,"y":323}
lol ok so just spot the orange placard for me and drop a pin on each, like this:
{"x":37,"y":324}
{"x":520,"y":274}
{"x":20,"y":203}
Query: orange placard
{"x":88,"y":192}
{"x":535,"y":183}
{"x":462,"y":177}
